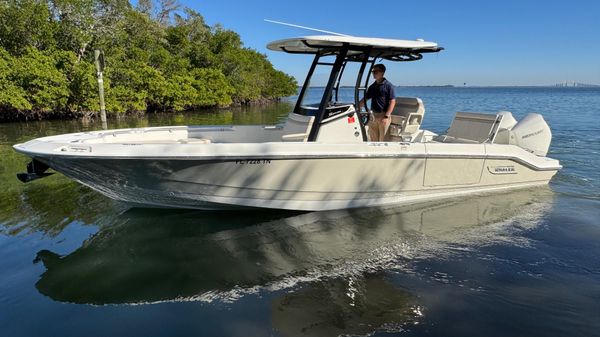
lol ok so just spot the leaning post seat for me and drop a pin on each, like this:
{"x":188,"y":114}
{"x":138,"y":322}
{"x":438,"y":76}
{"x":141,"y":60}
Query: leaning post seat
{"x":407,"y":116}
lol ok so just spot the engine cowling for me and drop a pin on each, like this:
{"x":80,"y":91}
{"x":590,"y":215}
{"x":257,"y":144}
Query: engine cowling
{"x":532,"y":133}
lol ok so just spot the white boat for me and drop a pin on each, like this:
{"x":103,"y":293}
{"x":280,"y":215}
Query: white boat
{"x":320,"y":158}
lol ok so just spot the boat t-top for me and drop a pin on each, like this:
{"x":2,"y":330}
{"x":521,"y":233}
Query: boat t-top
{"x":319,"y":158}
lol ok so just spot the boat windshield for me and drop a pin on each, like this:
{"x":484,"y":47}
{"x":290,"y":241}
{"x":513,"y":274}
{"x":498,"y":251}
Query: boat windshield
{"x":342,"y":93}
{"x":315,"y":87}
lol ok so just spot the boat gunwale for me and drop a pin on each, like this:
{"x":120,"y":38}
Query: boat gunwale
{"x":233,"y":158}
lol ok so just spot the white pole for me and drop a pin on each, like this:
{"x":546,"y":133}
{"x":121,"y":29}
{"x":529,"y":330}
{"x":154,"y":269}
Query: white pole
{"x":99,"y":61}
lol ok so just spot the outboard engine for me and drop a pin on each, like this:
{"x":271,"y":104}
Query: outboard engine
{"x":532,"y":133}
{"x":507,"y":122}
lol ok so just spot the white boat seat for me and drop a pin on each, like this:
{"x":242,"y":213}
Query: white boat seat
{"x":470,"y":127}
{"x":297,"y":128}
{"x":407,"y":116}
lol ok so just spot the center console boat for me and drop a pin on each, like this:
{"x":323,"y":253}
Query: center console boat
{"x":320,"y":158}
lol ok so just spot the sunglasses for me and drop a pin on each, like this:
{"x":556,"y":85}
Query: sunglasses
{"x":376,"y":71}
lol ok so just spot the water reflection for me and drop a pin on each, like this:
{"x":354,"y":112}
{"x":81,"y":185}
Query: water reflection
{"x":146,"y":256}
{"x":358,"y":306}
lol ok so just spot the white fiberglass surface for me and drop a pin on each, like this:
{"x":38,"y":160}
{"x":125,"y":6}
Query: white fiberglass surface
{"x":200,"y":134}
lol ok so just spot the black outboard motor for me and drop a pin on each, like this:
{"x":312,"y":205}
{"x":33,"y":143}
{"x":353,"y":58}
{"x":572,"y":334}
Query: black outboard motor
{"x":35,"y":170}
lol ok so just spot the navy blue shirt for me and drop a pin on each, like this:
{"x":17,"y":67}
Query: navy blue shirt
{"x":380,"y":95}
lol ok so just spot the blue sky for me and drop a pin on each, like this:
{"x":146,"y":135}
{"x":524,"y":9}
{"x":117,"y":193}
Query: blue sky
{"x":487,"y":43}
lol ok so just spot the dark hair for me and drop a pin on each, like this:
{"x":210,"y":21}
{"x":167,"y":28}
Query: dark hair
{"x":379,"y":66}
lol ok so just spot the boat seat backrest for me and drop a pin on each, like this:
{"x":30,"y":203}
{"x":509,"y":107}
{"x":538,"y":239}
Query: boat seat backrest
{"x":472,"y":126}
{"x":297,"y":127}
{"x":408,"y":114}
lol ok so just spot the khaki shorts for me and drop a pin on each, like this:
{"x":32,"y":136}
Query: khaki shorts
{"x":377,"y":131}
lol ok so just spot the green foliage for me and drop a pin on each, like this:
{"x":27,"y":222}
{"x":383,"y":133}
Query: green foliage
{"x":38,"y":73}
{"x":211,"y":87}
{"x":83,"y":88}
{"x":279,"y":84}
{"x":253,"y":76}
{"x":158,"y":58}
{"x":11,"y":95}
{"x":24,"y":24}
{"x":74,"y":27}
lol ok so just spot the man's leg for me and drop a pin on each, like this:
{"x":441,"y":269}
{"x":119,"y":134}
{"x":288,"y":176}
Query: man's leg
{"x":383,"y":126}
{"x":373,"y":130}
{"x":378,"y":127}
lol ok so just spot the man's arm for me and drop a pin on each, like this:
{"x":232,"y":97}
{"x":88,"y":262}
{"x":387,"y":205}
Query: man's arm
{"x":392,"y":101}
{"x":390,"y":108}
{"x":361,"y":103}
{"x":368,"y":95}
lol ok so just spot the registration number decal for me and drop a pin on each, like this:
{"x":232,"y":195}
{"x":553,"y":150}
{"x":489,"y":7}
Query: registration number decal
{"x":253,"y":161}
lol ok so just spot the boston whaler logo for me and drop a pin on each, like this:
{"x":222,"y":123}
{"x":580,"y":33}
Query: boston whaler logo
{"x":509,"y":169}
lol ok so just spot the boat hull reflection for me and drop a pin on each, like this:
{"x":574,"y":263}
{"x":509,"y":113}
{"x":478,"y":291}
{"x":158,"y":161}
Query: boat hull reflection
{"x":144,"y":256}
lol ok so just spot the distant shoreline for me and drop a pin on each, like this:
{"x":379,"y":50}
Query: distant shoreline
{"x":481,"y":86}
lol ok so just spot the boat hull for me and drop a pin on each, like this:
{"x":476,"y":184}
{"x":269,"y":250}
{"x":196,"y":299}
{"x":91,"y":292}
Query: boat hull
{"x":309,"y":184}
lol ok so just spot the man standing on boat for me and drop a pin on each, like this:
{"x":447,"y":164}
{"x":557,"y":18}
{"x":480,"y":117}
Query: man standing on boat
{"x":383,"y":99}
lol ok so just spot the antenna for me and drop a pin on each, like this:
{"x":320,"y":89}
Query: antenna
{"x":303,"y":27}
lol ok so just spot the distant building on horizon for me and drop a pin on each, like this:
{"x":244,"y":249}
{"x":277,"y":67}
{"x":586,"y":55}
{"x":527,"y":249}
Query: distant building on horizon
{"x":571,"y":84}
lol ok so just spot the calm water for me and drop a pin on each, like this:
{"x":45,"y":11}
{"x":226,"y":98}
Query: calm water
{"x":525,"y":263}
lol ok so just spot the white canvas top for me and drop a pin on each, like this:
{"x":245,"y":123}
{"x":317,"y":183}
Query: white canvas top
{"x":311,"y":44}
